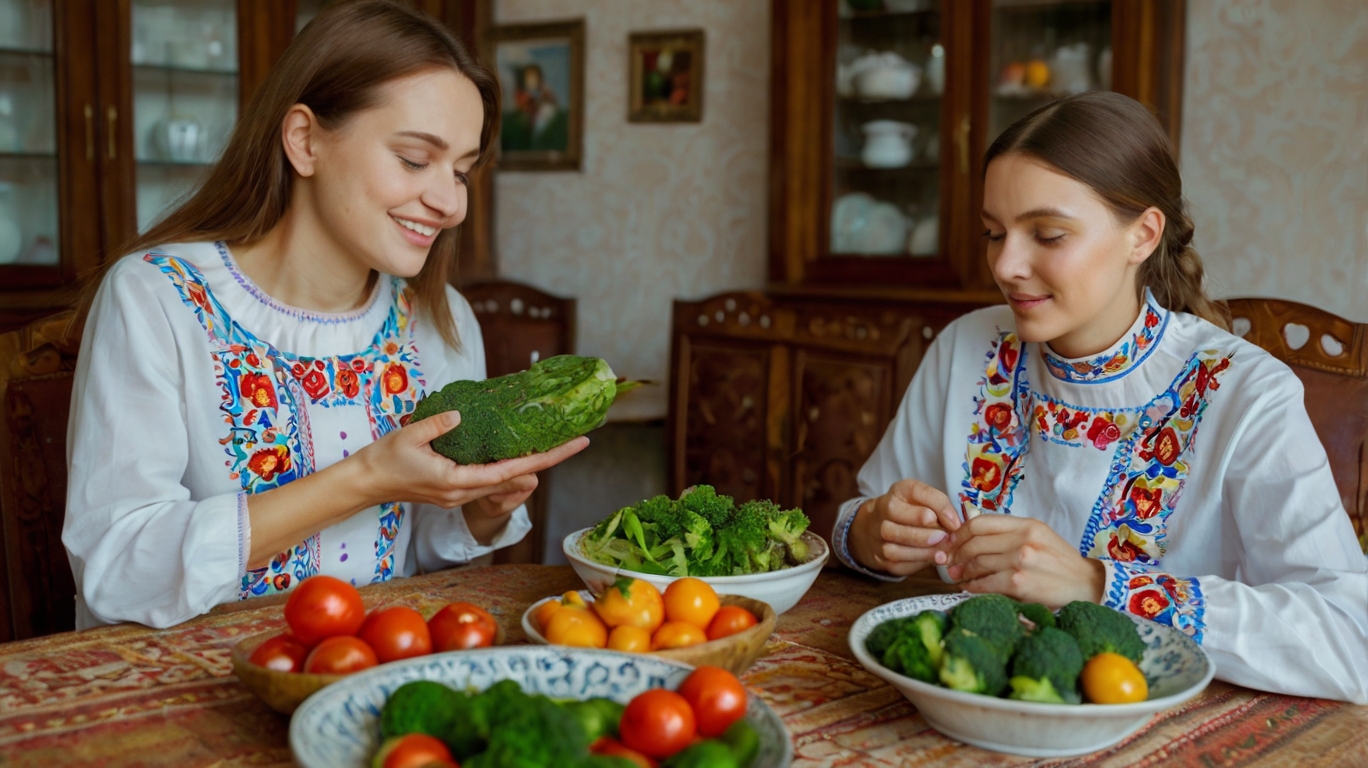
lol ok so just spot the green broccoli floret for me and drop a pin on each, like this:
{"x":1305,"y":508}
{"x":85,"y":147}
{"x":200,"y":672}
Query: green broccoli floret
{"x":598,"y":716}
{"x":604,"y":761}
{"x":972,"y":664}
{"x":744,"y":742}
{"x":1046,"y":667}
{"x":909,"y":656}
{"x":1099,"y":629}
{"x":912,"y":645}
{"x":423,"y":706}
{"x":882,"y":636}
{"x":740,"y":543}
{"x":705,"y":501}
{"x":1038,"y":614}
{"x":709,"y":753}
{"x":784,"y":526}
{"x":529,"y":731}
{"x":993,"y":618}
{"x":553,"y":402}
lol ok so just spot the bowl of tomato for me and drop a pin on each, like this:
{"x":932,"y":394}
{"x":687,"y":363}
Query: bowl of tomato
{"x":1174,"y":666}
{"x":330,"y":635}
{"x":689,"y":623}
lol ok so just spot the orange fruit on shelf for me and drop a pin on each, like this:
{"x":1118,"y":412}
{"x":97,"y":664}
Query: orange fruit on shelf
{"x":1110,"y":678}
{"x":629,"y":638}
{"x":1037,"y":74}
{"x":692,"y":600}
{"x":677,"y":634}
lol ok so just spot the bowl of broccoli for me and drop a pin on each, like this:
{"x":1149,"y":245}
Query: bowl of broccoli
{"x":754,"y":549}
{"x":530,"y":706}
{"x":992,"y":672}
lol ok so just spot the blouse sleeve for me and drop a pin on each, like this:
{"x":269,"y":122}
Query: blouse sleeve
{"x":1296,"y":621}
{"x":441,"y":538}
{"x":141,"y":550}
{"x":911,"y":447}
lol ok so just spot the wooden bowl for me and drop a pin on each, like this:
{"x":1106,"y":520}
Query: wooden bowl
{"x":285,"y":691}
{"x":735,"y":653}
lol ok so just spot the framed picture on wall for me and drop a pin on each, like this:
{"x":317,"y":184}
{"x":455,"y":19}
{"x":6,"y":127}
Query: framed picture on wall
{"x":541,"y":74}
{"x":666,"y":76}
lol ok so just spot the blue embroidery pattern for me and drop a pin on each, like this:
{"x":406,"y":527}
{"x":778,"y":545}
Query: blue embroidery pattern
{"x":1167,"y":599}
{"x":998,"y":437}
{"x":1112,"y":365}
{"x":264,"y":392}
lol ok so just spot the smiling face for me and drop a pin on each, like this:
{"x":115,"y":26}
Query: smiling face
{"x":388,"y":180}
{"x":1066,"y":265}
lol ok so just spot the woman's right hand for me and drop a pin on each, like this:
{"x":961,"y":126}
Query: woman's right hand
{"x":402,"y":466}
{"x":902,"y":531}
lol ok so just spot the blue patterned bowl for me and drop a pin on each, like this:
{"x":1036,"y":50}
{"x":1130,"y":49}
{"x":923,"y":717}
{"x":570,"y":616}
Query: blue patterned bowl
{"x":339,"y":727}
{"x":1175,"y":667}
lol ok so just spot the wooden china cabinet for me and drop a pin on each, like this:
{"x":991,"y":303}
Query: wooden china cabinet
{"x":880,"y":113}
{"x":110,"y":110}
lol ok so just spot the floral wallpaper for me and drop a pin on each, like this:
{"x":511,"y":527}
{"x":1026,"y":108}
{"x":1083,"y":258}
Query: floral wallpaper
{"x":1275,"y":148}
{"x":658,"y":212}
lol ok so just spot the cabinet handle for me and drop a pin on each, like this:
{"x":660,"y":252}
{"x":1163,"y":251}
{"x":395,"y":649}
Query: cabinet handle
{"x":112,"y":120}
{"x":90,"y":133}
{"x":962,"y":142}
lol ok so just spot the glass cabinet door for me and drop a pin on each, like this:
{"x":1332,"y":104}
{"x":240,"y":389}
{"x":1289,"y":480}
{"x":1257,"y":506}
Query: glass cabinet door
{"x":28,"y":147}
{"x":185,"y":95}
{"x":890,"y":79}
{"x":1045,"y":49}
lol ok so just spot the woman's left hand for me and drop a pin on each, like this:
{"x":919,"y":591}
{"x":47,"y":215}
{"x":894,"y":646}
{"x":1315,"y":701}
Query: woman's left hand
{"x":1023,"y":559}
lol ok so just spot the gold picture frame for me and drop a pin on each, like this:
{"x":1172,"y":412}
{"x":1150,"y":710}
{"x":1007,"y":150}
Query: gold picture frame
{"x":540,"y":68}
{"x":666,"y":83}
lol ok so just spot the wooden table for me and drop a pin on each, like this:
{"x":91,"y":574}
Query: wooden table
{"x":131,"y":696}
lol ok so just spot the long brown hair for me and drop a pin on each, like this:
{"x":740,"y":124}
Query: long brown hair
{"x":1113,"y":144}
{"x":335,"y":67}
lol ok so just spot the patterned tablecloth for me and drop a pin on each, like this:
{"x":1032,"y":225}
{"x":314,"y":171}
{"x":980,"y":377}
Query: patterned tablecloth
{"x":130,"y":696}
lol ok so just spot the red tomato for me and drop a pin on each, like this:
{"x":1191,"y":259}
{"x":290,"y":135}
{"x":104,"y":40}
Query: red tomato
{"x":340,"y":656}
{"x":716,"y":697}
{"x":607,"y":745}
{"x":396,"y":633}
{"x":282,"y":653}
{"x":729,"y":620}
{"x":414,"y":750}
{"x":322,"y":607}
{"x":460,"y":626}
{"x":658,"y":723}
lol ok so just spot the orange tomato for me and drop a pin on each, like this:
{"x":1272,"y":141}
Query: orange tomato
{"x":340,"y":655}
{"x":1110,"y":678}
{"x":629,"y":638}
{"x":729,"y":620}
{"x":542,"y":614}
{"x":577,"y":627}
{"x":607,"y":745}
{"x":631,"y":601}
{"x":573,"y":598}
{"x":677,"y":634}
{"x":717,"y":699}
{"x":690,"y":600}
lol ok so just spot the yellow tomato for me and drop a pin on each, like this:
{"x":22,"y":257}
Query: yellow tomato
{"x":579,"y":627}
{"x":677,"y":634}
{"x":691,"y":600}
{"x":629,"y":638}
{"x":633,"y":602}
{"x":1110,"y":678}
{"x":572,"y":598}
{"x":1037,"y":74}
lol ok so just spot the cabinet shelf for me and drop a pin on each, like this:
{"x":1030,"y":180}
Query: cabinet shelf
{"x":156,"y":163}
{"x":186,"y":70}
{"x":855,"y":166}
{"x":28,"y":155}
{"x":6,"y":50}
{"x":885,"y":15}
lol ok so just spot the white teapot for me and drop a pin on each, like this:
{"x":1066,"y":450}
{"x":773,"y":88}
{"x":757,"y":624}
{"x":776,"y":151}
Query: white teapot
{"x":888,"y":143}
{"x":884,"y":76}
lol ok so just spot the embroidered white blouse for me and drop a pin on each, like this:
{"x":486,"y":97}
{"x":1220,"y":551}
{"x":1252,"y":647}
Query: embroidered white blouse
{"x":1183,"y":458}
{"x":194,"y":389}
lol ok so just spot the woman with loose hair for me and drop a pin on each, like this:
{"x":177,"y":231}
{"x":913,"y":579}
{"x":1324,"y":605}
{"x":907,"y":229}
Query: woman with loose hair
{"x":248,"y":370}
{"x":1137,"y":454}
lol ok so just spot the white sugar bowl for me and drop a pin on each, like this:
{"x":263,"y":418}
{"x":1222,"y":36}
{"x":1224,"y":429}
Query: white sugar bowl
{"x":888,"y":143}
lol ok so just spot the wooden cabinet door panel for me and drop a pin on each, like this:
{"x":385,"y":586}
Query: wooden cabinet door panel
{"x":724,"y":444}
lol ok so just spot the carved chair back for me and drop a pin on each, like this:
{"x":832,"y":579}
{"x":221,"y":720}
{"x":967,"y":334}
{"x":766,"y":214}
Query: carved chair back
{"x":1330,"y":356}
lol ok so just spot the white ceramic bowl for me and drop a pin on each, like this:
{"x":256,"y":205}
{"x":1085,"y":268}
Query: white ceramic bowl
{"x":339,"y":727}
{"x":1175,"y":667}
{"x":781,"y":589}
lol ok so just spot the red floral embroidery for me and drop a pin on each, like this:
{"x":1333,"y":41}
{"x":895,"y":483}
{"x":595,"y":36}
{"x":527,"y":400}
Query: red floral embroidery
{"x":1124,"y":551}
{"x":998,"y":416}
{"x":1103,"y":433}
{"x":986,"y":474}
{"x":347,"y":382}
{"x":1166,"y":447}
{"x":1148,"y":604}
{"x":359,"y":365}
{"x":315,"y":383}
{"x":269,"y":462}
{"x":253,"y":360}
{"x":258,"y":390}
{"x":281,"y":581}
{"x":1148,"y":501}
{"x":395,"y":378}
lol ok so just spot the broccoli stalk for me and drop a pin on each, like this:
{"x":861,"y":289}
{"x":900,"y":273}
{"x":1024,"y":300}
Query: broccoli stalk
{"x":1099,"y":629}
{"x":1046,"y":667}
{"x":972,"y":664}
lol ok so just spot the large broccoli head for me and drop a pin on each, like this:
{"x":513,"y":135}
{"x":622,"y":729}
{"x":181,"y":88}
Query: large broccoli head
{"x":993,"y":618}
{"x":972,"y":664}
{"x":1046,"y":667}
{"x":553,"y":402}
{"x":532,"y":731}
{"x":1099,"y":629}
{"x":423,"y":706}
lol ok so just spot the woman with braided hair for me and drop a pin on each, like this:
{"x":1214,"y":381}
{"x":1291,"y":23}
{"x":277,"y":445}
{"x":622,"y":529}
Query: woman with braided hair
{"x":1102,"y":437}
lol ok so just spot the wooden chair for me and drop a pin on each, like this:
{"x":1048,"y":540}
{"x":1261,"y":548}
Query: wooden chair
{"x":1330,"y":356}
{"x":521,"y":325}
{"x":37,"y":364}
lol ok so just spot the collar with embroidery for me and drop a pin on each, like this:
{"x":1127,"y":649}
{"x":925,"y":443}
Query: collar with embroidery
{"x":1123,"y":357}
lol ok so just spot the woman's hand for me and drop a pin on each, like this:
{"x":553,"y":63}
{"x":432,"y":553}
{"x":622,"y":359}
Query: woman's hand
{"x":1023,"y":559}
{"x":902,"y":531}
